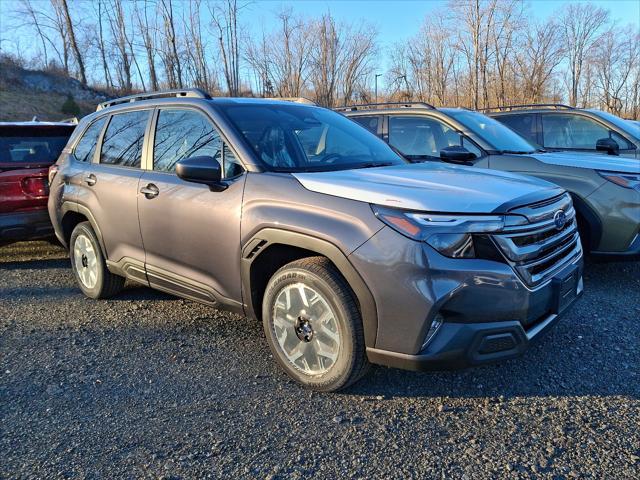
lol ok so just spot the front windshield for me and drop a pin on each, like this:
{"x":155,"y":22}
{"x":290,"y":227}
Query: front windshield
{"x":299,"y":138}
{"x":624,"y":125}
{"x":493,"y":132}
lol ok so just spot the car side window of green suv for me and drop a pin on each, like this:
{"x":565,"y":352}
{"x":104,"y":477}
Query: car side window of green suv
{"x":423,"y":137}
{"x":571,"y":131}
{"x":182,"y":134}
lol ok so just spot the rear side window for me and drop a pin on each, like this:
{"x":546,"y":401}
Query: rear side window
{"x":123,"y":139}
{"x":32,"y":144}
{"x":422,"y":137}
{"x":525,"y":125}
{"x":86,"y":147}
{"x":572,"y":131}
{"x":368,"y":122}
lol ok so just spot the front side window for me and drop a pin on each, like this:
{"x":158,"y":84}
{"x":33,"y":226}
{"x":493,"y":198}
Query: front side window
{"x":32,"y":144}
{"x":492,"y":132}
{"x":123,"y":139}
{"x":86,"y":147}
{"x":182,"y":134}
{"x":300,"y":138}
{"x":423,"y":137}
{"x":524,"y":124}
{"x":572,"y":131}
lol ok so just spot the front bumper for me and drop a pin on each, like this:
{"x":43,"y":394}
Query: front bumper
{"x":460,"y":345}
{"x":27,"y":225}
{"x":489,"y":314}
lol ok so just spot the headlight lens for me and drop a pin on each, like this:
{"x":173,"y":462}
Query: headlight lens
{"x":626,"y":180}
{"x":451,"y":235}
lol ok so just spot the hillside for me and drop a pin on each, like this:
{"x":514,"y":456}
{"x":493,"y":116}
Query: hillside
{"x":28,"y":93}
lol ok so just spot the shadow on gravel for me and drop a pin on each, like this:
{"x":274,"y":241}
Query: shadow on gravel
{"x":35,"y":264}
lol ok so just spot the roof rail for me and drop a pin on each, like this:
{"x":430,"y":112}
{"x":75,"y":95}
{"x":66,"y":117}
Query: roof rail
{"x":71,"y":120}
{"x":508,"y":108}
{"x":188,"y":92}
{"x":374,"y":106}
{"x":304,"y":100}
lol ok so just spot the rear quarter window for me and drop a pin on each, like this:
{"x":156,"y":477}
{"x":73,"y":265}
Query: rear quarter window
{"x":86,"y":147}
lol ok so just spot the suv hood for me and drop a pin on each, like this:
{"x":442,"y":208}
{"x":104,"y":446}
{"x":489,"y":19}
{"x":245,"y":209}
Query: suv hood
{"x":434,"y":187}
{"x":591,"y":161}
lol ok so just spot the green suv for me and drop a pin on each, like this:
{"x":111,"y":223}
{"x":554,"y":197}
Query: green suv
{"x":605,"y":189}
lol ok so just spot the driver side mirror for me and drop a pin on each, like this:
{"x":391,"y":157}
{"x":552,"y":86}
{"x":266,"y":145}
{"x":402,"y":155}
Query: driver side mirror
{"x":456,"y":154}
{"x":204,"y":169}
{"x":608,"y":145}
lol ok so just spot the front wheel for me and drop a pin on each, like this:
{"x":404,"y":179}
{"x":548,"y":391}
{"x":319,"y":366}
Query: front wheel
{"x":313,"y":326}
{"x":89,"y":267}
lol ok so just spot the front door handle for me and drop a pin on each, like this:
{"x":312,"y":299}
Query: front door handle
{"x":90,"y":179}
{"x":150,"y":191}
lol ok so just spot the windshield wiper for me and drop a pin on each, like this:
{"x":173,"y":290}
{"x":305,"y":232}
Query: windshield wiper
{"x":373,"y":165}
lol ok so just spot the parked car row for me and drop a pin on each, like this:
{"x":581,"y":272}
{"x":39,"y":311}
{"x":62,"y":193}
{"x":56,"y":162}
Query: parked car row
{"x":388,"y":244}
{"x":605,"y":189}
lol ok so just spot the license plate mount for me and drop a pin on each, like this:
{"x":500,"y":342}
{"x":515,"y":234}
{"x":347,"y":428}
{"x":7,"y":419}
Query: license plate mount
{"x":565,"y":289}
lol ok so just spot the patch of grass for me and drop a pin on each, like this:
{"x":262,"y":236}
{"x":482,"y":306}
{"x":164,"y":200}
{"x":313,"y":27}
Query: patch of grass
{"x":23,"y":105}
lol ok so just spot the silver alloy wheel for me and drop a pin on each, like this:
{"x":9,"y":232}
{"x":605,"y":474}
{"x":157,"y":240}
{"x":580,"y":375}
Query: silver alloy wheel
{"x":306,"y":328}
{"x":86,"y":261}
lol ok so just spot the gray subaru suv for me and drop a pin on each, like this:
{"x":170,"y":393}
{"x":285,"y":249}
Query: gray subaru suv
{"x":294,"y":215}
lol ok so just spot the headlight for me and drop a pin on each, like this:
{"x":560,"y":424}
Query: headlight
{"x":451,"y":235}
{"x":626,"y":180}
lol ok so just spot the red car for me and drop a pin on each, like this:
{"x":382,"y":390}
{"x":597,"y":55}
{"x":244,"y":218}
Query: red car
{"x":27,"y":150}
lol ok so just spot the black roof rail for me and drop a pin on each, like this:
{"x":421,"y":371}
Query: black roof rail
{"x":374,"y":106}
{"x":187,"y":92}
{"x":508,"y":108}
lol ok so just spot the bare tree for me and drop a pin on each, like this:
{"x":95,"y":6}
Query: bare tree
{"x":118,"y":26}
{"x":225,"y":22}
{"x":173,"y":64}
{"x":71,"y":35}
{"x":147,"y":32}
{"x":580,"y":27}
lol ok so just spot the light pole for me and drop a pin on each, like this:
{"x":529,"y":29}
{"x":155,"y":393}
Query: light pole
{"x":377,"y":75}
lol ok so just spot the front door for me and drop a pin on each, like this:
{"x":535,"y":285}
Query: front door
{"x":191,"y":235}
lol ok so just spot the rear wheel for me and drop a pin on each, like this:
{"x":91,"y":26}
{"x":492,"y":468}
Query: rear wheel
{"x":89,"y":267}
{"x":313,"y":325}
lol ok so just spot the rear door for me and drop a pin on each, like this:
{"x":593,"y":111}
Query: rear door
{"x":191,"y":234}
{"x":110,"y":189}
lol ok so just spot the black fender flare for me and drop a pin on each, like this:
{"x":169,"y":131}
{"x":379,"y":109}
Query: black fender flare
{"x":594,"y":224}
{"x":264,"y":238}
{"x":70,"y":207}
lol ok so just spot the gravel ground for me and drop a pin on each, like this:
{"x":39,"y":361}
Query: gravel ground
{"x":149,"y":386}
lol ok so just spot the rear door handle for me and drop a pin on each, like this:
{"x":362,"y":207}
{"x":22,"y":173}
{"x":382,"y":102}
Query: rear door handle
{"x":90,"y":179}
{"x":150,"y":191}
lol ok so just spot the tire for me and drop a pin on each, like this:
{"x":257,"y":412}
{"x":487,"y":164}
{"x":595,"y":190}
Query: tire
{"x":319,"y":343}
{"x":90,"y":269}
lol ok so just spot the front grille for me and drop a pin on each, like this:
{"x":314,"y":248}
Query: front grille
{"x":540,"y":249}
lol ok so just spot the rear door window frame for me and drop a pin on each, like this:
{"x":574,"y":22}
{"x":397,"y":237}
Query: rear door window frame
{"x":145,"y":140}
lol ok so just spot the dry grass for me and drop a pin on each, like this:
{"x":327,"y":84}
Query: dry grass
{"x":21,"y":105}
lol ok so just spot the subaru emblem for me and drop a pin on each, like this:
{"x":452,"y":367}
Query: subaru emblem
{"x":560,"y":219}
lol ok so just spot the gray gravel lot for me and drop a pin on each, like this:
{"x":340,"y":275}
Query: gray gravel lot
{"x":149,"y":386}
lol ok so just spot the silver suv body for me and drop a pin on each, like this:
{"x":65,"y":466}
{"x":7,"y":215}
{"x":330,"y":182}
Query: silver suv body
{"x":605,"y":188}
{"x":294,"y":215}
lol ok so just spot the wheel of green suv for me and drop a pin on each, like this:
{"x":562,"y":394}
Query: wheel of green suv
{"x":313,"y":325}
{"x":89,"y":267}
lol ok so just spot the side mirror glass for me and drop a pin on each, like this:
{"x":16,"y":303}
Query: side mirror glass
{"x":608,"y":145}
{"x":457,"y":154}
{"x":204,"y":169}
